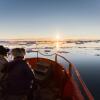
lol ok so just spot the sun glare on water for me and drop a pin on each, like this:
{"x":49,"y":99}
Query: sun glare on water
{"x":57,"y":42}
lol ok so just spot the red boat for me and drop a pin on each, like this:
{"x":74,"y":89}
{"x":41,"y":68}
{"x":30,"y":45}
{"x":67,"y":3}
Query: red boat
{"x":64,"y":78}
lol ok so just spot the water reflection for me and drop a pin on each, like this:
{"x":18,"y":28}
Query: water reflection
{"x":57,"y":46}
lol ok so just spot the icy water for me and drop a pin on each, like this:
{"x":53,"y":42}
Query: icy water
{"x":85,"y":56}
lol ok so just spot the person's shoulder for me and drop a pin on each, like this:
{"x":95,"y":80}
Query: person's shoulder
{"x":22,"y":63}
{"x":11,"y":63}
{"x":8,"y":64}
{"x":3,"y":60}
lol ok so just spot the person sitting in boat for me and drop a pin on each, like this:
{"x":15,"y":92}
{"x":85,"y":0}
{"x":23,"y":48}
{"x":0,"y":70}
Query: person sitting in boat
{"x":19,"y":77}
{"x":46,"y":87}
{"x":3,"y":60}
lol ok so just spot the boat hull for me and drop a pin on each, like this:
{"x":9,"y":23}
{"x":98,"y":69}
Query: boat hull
{"x":67,"y":85}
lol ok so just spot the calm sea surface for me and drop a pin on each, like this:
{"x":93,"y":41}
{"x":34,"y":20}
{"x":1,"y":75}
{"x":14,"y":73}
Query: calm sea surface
{"x":86,"y":57}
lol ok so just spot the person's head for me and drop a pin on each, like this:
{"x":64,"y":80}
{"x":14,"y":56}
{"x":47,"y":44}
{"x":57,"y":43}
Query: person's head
{"x":3,"y":50}
{"x":18,"y":52}
{"x":42,"y":71}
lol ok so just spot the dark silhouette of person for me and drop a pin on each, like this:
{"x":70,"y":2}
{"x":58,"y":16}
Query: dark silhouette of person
{"x":19,"y":77}
{"x":3,"y":60}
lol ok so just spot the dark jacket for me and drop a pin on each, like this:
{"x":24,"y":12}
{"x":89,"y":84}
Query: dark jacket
{"x":19,"y":77}
{"x":3,"y":61}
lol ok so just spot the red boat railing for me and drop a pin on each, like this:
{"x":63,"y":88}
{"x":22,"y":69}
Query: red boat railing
{"x":71,"y":67}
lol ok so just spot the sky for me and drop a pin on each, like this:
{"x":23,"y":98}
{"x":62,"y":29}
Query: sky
{"x":32,"y":19}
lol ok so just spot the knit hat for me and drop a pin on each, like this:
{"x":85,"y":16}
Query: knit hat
{"x":18,"y":52}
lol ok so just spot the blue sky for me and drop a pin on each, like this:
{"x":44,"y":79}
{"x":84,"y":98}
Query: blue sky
{"x":47,"y":18}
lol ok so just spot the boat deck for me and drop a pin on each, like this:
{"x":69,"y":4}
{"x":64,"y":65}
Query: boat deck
{"x":67,"y":85}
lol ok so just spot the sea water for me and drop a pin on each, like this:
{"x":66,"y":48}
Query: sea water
{"x":85,"y":56}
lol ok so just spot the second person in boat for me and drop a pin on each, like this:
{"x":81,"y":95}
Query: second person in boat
{"x":19,"y":77}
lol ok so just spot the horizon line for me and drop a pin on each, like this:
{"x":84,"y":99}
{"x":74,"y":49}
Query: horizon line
{"x":46,"y":39}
